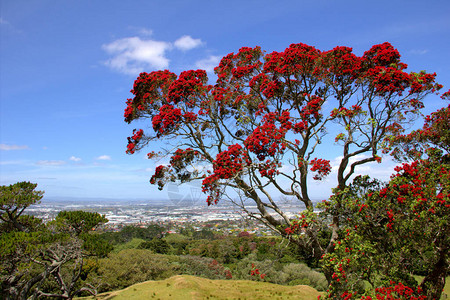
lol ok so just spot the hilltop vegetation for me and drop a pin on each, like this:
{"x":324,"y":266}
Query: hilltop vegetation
{"x":191,"y":287}
{"x":141,"y":256}
{"x":245,"y":264}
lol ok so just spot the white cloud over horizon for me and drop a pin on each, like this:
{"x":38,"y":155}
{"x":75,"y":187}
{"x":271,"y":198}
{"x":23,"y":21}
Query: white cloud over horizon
{"x":6,"y":147}
{"x":74,"y":158}
{"x":104,"y":157}
{"x":51,"y":163}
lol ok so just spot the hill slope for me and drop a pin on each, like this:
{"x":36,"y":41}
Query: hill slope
{"x":191,"y":287}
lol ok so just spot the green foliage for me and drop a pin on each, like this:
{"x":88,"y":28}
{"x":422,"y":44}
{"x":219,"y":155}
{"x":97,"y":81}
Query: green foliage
{"x":295,"y":274}
{"x":129,"y":232}
{"x":133,"y":244}
{"x":131,"y":266}
{"x":203,"y":234}
{"x":14,"y":199}
{"x":44,"y":259}
{"x":93,"y":244}
{"x":178,"y":242}
{"x":392,"y":230}
{"x":156,"y":245}
{"x":203,"y":267}
{"x":81,"y":221}
{"x":276,"y":272}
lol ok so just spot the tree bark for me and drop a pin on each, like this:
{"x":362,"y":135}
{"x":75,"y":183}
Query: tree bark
{"x":434,"y":282}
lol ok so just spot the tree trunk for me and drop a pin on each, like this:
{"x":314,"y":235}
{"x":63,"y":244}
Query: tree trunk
{"x":434,"y":282}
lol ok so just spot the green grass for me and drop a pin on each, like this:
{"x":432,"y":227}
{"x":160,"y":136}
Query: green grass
{"x":191,"y":287}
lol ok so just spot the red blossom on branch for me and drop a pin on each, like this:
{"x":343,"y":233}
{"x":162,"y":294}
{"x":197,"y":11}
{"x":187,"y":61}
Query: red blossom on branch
{"x":168,"y":119}
{"x":134,"y":140}
{"x":322,"y":167}
{"x":228,"y":164}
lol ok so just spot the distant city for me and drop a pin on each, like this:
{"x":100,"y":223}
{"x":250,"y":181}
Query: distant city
{"x":167,"y":213}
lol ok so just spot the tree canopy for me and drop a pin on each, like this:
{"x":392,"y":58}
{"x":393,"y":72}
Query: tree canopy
{"x":266,"y":116}
{"x":260,"y":129}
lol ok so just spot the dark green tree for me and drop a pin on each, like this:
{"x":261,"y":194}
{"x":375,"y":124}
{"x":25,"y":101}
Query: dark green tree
{"x":14,"y":199}
{"x":156,"y":245}
{"x":44,"y":260}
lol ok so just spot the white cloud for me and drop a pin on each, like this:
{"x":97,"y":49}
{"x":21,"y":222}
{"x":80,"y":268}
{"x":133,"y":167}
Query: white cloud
{"x":186,"y":42}
{"x":51,"y":163}
{"x":73,"y":158}
{"x":13,"y":147}
{"x":133,"y":55}
{"x":208,"y":64}
{"x":104,"y":157}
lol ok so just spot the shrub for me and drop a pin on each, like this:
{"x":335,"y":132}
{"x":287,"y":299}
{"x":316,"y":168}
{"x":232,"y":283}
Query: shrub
{"x":301,"y":274}
{"x":203,"y":267}
{"x":132,"y":266}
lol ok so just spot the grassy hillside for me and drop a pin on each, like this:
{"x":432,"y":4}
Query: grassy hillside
{"x":191,"y":287}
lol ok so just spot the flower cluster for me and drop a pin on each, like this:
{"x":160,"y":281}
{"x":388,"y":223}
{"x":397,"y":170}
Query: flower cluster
{"x":345,"y":112}
{"x":296,"y":59}
{"x":187,"y":88}
{"x":423,"y":81}
{"x":388,"y":80}
{"x":132,"y":141}
{"x":269,"y":168}
{"x":322,"y":166}
{"x":157,"y":178}
{"x":223,"y":70}
{"x":255,"y":272}
{"x":182,"y":158}
{"x":395,"y":291}
{"x":262,"y":84}
{"x":235,"y":67}
{"x":382,"y":55}
{"x":267,"y":139}
{"x":411,"y":184}
{"x":341,"y":62}
{"x":228,"y":164}
{"x":417,"y":144}
{"x":297,"y":225}
{"x":398,"y":291}
{"x":168,"y":119}
{"x":248,"y":61}
{"x":148,"y":89}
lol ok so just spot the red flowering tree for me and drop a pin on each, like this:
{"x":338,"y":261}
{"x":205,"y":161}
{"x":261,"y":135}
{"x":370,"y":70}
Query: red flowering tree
{"x":390,"y":232}
{"x":262,"y":122}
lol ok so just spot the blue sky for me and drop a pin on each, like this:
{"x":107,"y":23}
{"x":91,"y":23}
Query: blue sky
{"x":66,"y":68}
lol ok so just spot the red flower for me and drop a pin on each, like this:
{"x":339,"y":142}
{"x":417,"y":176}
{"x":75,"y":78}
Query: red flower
{"x":322,"y":167}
